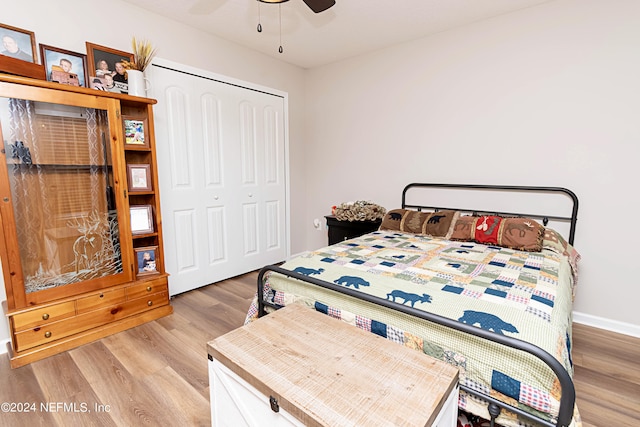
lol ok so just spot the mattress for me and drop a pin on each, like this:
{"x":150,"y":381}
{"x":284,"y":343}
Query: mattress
{"x":526,"y":295}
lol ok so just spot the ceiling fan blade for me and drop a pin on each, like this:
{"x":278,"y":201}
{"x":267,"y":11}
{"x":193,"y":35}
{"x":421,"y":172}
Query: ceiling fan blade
{"x":319,"y":5}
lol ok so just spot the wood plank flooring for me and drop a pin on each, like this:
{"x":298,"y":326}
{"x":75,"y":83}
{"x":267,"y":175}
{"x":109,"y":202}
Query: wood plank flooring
{"x":156,"y":374}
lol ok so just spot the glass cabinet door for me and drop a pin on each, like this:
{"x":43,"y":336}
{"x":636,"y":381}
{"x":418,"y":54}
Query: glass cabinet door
{"x":60,"y":174}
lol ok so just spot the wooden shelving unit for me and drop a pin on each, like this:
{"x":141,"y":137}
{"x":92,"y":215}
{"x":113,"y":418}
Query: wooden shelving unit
{"x":66,"y":218}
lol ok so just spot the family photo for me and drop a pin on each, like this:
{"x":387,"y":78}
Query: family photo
{"x":63,"y":66}
{"x":17,"y":43}
{"x":106,"y":68}
{"x":146,"y":260}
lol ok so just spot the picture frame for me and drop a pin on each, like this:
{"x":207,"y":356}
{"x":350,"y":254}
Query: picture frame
{"x":135,"y":132}
{"x":18,"y":43}
{"x":64,"y":66}
{"x":141,"y":219}
{"x":102,"y":60}
{"x":146,"y":260}
{"x":139,"y":177}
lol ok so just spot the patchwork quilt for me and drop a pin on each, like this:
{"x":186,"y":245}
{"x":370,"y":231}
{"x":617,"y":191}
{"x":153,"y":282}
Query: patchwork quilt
{"x":526,"y":295}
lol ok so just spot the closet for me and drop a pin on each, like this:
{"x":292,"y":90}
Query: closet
{"x":222,"y":153}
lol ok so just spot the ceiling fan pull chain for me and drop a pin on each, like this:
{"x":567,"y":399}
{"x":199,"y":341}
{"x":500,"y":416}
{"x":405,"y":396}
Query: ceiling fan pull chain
{"x":259,"y":24}
{"x":280,"y":49}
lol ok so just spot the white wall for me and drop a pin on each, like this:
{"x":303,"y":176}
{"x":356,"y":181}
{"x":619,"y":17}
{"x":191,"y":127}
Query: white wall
{"x":544,"y":96}
{"x":113,"y":23}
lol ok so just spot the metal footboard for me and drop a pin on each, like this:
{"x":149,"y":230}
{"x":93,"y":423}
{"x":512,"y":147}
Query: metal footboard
{"x":568,"y":396}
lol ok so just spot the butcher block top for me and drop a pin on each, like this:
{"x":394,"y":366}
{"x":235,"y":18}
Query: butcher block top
{"x":326,"y":372}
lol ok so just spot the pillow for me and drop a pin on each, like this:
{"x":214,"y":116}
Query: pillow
{"x":464,"y":228}
{"x":392,"y":219}
{"x":523,"y":234}
{"x":440,"y":224}
{"x":554,"y":241}
{"x":433,"y":224}
{"x":412,"y":221}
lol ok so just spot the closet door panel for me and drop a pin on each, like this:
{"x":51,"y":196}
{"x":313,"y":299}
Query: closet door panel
{"x":225,"y":147}
{"x":177,"y":111}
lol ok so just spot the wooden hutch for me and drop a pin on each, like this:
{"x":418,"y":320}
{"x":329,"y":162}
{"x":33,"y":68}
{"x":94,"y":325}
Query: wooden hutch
{"x":80,"y":226}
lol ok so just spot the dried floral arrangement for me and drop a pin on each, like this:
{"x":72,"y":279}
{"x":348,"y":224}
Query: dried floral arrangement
{"x":143,"y":54}
{"x":359,"y":210}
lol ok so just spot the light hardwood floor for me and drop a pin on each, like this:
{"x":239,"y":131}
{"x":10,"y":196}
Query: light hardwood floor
{"x":156,"y":374}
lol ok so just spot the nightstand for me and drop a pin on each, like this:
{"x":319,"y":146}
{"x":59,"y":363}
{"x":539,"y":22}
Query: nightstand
{"x":344,"y":230}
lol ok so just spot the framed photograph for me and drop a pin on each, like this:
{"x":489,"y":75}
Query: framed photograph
{"x":135,"y":132}
{"x":64,"y":66}
{"x":146,"y":260}
{"x":141,"y":219}
{"x":106,"y":71}
{"x":18,"y":43}
{"x":139,"y":178}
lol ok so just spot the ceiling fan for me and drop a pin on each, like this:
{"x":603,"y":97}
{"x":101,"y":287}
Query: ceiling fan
{"x":205,"y":7}
{"x":316,"y":5}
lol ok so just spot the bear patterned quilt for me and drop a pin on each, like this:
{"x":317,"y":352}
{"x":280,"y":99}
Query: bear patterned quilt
{"x":526,"y":295}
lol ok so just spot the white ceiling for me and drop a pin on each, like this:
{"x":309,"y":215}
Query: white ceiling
{"x":349,"y":28}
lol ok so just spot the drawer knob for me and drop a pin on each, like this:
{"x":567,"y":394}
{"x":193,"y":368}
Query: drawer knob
{"x":149,"y":288}
{"x":149,"y":303}
{"x":47,"y":334}
{"x":101,"y":295}
{"x":45,"y":316}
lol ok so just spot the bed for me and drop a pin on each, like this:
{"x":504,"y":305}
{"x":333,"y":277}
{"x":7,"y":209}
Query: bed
{"x":488,"y":291}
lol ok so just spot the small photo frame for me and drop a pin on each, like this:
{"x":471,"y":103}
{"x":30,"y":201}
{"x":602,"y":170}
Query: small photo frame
{"x":139,"y":177}
{"x":146,"y":260}
{"x":104,"y":61}
{"x":18,"y":43}
{"x":135,"y":132}
{"x":141,"y":219}
{"x":64,"y":66}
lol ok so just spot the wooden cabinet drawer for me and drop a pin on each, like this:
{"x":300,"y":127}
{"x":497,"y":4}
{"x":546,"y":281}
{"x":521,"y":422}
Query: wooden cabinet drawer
{"x":64,"y":328}
{"x":41,"y":316}
{"x":96,"y":301}
{"x":148,"y":287}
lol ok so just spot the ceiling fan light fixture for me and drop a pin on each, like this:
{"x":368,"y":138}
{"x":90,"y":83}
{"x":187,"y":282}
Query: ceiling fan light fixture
{"x":273,"y":1}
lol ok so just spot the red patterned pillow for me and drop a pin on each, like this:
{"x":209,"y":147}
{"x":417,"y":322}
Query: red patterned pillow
{"x":523,"y":234}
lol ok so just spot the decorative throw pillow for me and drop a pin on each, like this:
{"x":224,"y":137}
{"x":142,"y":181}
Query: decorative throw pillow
{"x":523,"y":234}
{"x":464,"y":228}
{"x":440,"y":224}
{"x":412,"y":221}
{"x":486,"y":230}
{"x":392,"y":220}
{"x":554,"y":241}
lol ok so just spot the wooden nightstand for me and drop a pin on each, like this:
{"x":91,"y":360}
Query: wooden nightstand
{"x":298,"y":367}
{"x":344,"y":230}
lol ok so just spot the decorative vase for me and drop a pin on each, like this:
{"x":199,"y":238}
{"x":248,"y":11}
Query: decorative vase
{"x":137,"y":83}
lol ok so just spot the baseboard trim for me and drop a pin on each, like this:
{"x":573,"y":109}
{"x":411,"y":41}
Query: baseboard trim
{"x":607,"y":324}
{"x":4,"y":346}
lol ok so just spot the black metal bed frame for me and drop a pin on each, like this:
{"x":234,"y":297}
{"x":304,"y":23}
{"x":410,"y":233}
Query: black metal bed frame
{"x":567,"y":400}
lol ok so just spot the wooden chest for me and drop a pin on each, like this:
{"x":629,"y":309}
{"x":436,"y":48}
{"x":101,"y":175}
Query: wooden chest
{"x":299,"y":367}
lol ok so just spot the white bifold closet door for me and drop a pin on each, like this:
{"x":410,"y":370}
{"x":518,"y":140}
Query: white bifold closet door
{"x":221,"y":168}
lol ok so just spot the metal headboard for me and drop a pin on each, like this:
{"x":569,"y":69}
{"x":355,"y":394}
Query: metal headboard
{"x":509,"y":188}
